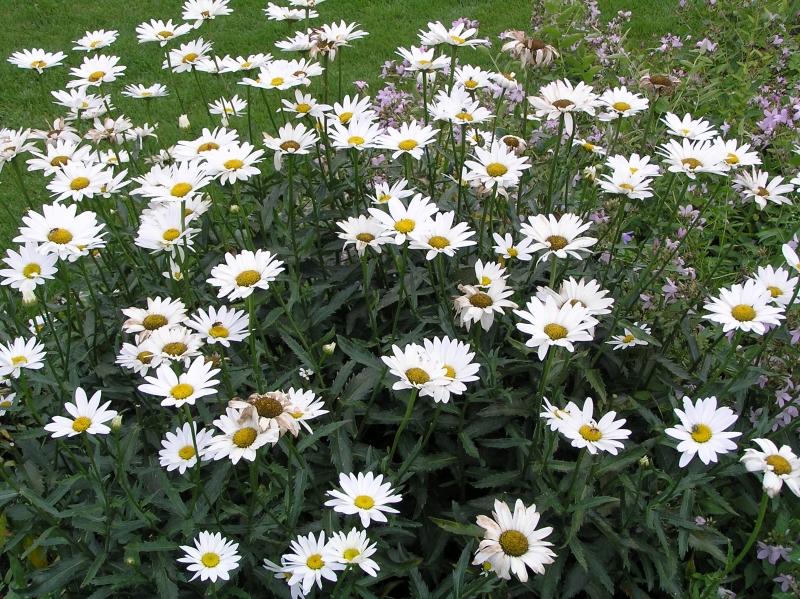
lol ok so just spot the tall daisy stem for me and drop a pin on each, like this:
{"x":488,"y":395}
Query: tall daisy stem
{"x":403,"y":423}
{"x":251,"y":307}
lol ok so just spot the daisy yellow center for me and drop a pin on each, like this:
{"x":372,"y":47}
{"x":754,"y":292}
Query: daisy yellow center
{"x":626,"y":186}
{"x":164,"y":34}
{"x":145,"y":357}
{"x":179,"y":190}
{"x":151,"y":322}
{"x":743,"y":312}
{"x":59,"y":236}
{"x":364,"y":502}
{"x":181,"y":391}
{"x":59,"y":161}
{"x":245,"y":437}
{"x":186,"y":452}
{"x":555,"y":331}
{"x":485,"y":280}
{"x":81,"y":423}
{"x":365,"y":237}
{"x":351,"y":554}
{"x":732,"y":158}
{"x":190,"y":57}
{"x":19,"y":360}
{"x":171,"y":234}
{"x":780,"y":465}
{"x":628,"y":338}
{"x":588,"y":146}
{"x":457,"y":39}
{"x":563,"y":103}
{"x":513,"y":543}
{"x":268,"y":407}
{"x":303,"y":107}
{"x":691,"y":163}
{"x":290,"y":146}
{"x":449,"y":371}
{"x":210,"y":559}
{"x":233,"y":164}
{"x":79,"y":183}
{"x":297,"y":414}
{"x":5,"y":404}
{"x":590,"y":433}
{"x":701,"y":433}
{"x":405,"y":225}
{"x":38,"y":64}
{"x":439,"y":242}
{"x":315,"y":562}
{"x":276,"y":81}
{"x":762,"y":191}
{"x":621,"y":106}
{"x":146,"y":94}
{"x":417,"y":376}
{"x":218,"y":331}
{"x":246,"y":64}
{"x":176,"y":348}
{"x":481,"y":300}
{"x":345,"y":117}
{"x":248,"y":278}
{"x":685,"y":131}
{"x":96,"y":76}
{"x":355,"y":140}
{"x":407,"y":145}
{"x":470,"y":84}
{"x":495,"y":169}
{"x":557,"y":242}
{"x":423,"y":62}
{"x":774,"y":291}
{"x":209,"y":145}
{"x":31,"y":271}
{"x":513,"y":252}
{"x":464,"y":116}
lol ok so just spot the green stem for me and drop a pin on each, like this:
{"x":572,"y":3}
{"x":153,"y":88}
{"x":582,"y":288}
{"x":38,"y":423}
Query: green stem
{"x":403,"y":423}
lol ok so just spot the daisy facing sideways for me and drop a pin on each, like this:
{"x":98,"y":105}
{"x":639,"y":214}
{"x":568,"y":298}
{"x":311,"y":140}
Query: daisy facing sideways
{"x":88,"y":416}
{"x":364,"y":494}
{"x":778,"y":465}
{"x":511,"y":542}
{"x":703,"y":430}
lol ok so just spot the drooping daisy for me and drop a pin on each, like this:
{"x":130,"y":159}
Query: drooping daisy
{"x":506,"y":247}
{"x":402,"y":221}
{"x":583,"y":430}
{"x":416,"y":369}
{"x":7,"y":400}
{"x":459,"y":367}
{"x":559,"y":237}
{"x":204,"y":10}
{"x":60,"y":230}
{"x":184,"y":389}
{"x":159,"y":313}
{"x":778,"y":465}
{"x":311,"y":560}
{"x":354,"y":548}
{"x":88,"y":416}
{"x":234,"y":162}
{"x":549,"y":324}
{"x":241,"y":436}
{"x":272,"y":410}
{"x":178,"y":448}
{"x":702,"y":430}
{"x":757,"y":187}
{"x":737,"y":156}
{"x":690,"y":158}
{"x":560,"y":98}
{"x":358,"y":134}
{"x":397,"y":191}
{"x":481,"y":304}
{"x":620,"y":103}
{"x":746,"y":307}
{"x":689,"y":128}
{"x":528,"y":50}
{"x":363,"y":232}
{"x":457,"y":35}
{"x":498,"y":165}
{"x":21,"y":354}
{"x":292,"y":139}
{"x":441,"y":236}
{"x":305,"y":406}
{"x":629,"y":338}
{"x":96,"y":70}
{"x":36,"y":59}
{"x":364,"y":494}
{"x":285,"y":13}
{"x":512,"y":543}
{"x":94,"y":40}
{"x":411,"y":139}
{"x":776,"y":280}
{"x":665,"y":84}
{"x":284,"y":573}
{"x":160,"y":31}
{"x":220,"y":325}
{"x":245,"y":272}
{"x":586,"y":293}
{"x":28,"y":268}
{"x":212,"y":557}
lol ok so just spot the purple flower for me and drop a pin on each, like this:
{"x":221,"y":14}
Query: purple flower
{"x":361,"y":85}
{"x":705,"y":45}
{"x":785,"y":580}
{"x":772,"y":553}
{"x":627,"y":237}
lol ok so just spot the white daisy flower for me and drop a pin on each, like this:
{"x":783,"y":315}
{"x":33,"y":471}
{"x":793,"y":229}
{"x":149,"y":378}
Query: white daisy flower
{"x":178,"y":448}
{"x":28,"y":268}
{"x":60,"y":230}
{"x":629,"y":338}
{"x":88,"y":416}
{"x":159,"y":313}
{"x":489,"y":272}
{"x":790,"y":256}
{"x":175,"y":182}
{"x":440,"y":236}
{"x":472,"y":78}
{"x":632,"y":186}
{"x":185,"y":388}
{"x":422,"y":61}
{"x":737,"y":156}
{"x":95,"y":70}
{"x":160,"y":31}
{"x":583,"y":430}
{"x":411,"y":139}
{"x":6,"y":401}
{"x":589,"y":146}
{"x":228,"y":64}
{"x":481,"y":304}
{"x":212,"y":557}
{"x":556,"y":417}
{"x":506,"y":247}
{"x":689,"y":128}
{"x":357,"y":134}
{"x":363,"y":232}
{"x":162,"y":230}
{"x":778,"y":465}
{"x":220,"y":325}
{"x":245,"y":272}
{"x":284,"y":573}
{"x":560,"y":237}
{"x":634,"y":165}
{"x":776,"y":280}
{"x":757,"y":187}
{"x":133,"y":357}
{"x":690,"y":158}
{"x":620,"y":103}
{"x":457,"y":35}
{"x":186,"y":57}
{"x":512,"y":543}
{"x":36,"y":59}
{"x":292,"y":139}
{"x":21,"y":354}
{"x":560,"y":98}
{"x":354,"y":548}
{"x":57,"y":155}
{"x":459,"y":107}
{"x":385,"y":192}
{"x":498,"y":165}
{"x":228,"y":107}
{"x":173,"y":344}
{"x":702,"y":430}
{"x":580,"y":292}
{"x":459,"y":367}
{"x":305,"y":105}
{"x":744,"y":307}
{"x":549,"y":324}
{"x":241,"y":436}
{"x":204,"y":10}
{"x":145,"y":92}
{"x":402,"y":221}
{"x":364,"y":494}
{"x":235,"y":162}
{"x":311,"y":560}
{"x":416,"y":369}
{"x":79,"y":180}
{"x":272,"y":410}
{"x":285,"y":13}
{"x":352,"y":108}
{"x":305,"y":406}
{"x":217,"y":139}
{"x":94,"y":40}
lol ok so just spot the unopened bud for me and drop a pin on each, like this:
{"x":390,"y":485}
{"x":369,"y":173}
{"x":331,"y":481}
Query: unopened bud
{"x":644,"y":462}
{"x":183,"y":122}
{"x":116,"y":422}
{"x":329,"y":348}
{"x":234,"y":208}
